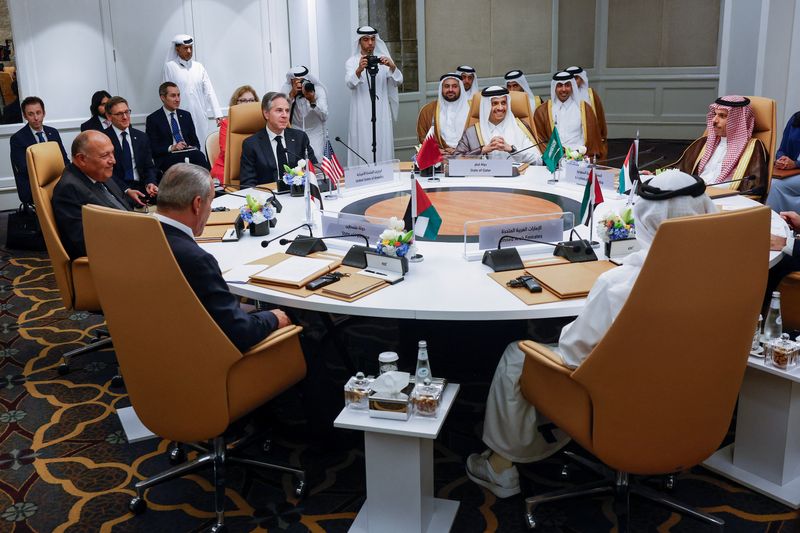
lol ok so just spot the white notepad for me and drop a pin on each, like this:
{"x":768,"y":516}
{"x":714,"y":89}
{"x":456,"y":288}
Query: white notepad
{"x":242,"y":273}
{"x":296,"y":269}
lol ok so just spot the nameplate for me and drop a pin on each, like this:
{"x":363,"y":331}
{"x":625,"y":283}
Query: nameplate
{"x":540,"y":230}
{"x":336,"y":225}
{"x":480,"y":167}
{"x":577,"y":172}
{"x":369,"y":175}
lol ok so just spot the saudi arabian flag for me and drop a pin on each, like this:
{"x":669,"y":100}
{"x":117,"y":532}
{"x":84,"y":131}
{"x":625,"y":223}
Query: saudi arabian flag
{"x":553,"y":152}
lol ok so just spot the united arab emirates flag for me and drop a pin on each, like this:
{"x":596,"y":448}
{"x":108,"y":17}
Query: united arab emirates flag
{"x":592,"y":197}
{"x":553,"y":152}
{"x":428,"y":219}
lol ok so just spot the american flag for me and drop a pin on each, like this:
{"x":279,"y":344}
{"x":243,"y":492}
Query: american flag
{"x":330,"y":164}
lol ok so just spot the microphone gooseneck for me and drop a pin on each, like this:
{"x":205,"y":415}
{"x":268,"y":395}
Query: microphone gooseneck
{"x":325,"y":237}
{"x":266,"y":242}
{"x":339,"y":139}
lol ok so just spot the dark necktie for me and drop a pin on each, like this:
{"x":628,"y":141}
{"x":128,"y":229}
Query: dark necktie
{"x":127,"y":157}
{"x":111,"y":198}
{"x":176,"y":131}
{"x":40,"y":135}
{"x":280,"y":151}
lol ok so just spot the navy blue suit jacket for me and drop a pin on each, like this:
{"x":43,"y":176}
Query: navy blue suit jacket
{"x":202,"y":272}
{"x":19,"y":144}
{"x":160,"y":132}
{"x":258,"y":163}
{"x":73,"y":191}
{"x":142,"y":154}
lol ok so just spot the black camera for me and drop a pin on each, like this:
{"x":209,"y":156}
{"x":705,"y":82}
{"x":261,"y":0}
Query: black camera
{"x":373,"y":62}
{"x":308,"y":86}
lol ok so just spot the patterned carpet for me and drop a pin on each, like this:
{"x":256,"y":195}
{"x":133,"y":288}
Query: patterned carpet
{"x":65,"y":464}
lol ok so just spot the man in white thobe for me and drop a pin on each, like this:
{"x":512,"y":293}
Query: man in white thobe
{"x":469,"y":77}
{"x":511,"y":428}
{"x":387,"y":79}
{"x":197,"y":93}
{"x":309,"y":105}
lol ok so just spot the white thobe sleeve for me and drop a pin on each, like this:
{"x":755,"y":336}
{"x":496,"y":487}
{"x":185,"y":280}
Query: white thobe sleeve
{"x":530,"y":155}
{"x":350,"y":77}
{"x":321,"y":109}
{"x":211,"y":96}
{"x":396,"y":77}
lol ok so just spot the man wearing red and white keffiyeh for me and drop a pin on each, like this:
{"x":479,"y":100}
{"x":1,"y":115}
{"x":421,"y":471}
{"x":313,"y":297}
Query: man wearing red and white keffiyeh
{"x":729,"y":155}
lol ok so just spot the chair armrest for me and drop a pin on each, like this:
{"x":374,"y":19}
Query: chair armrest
{"x":276,"y":337}
{"x":545,"y":356}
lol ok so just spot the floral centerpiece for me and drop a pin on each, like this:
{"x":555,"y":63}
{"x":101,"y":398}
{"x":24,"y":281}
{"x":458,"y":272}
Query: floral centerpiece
{"x":395,"y":240}
{"x":258,"y":214}
{"x":295,"y":177}
{"x":617,"y":227}
{"x":574,"y":154}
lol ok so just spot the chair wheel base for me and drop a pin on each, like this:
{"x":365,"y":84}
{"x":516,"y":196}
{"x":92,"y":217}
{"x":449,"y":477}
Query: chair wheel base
{"x":137,"y":505}
{"x":177,"y":456}
{"x":530,"y":520}
{"x":63,"y":369}
{"x":117,"y":382}
{"x":218,"y":528}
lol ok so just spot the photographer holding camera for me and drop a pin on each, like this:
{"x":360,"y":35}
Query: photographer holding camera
{"x":372,"y":78}
{"x":308,"y":99}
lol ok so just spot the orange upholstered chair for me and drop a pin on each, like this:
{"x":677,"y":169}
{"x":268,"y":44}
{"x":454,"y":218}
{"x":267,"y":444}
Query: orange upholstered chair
{"x":243,"y":121}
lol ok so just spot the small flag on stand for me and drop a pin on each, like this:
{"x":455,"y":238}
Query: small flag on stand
{"x":592,"y":197}
{"x":429,"y":153}
{"x":330,"y":165}
{"x":553,"y":152}
{"x":629,"y":173}
{"x":428,"y":219}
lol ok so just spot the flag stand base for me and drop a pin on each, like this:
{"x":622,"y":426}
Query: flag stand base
{"x":434,"y":179}
{"x":416,"y":258}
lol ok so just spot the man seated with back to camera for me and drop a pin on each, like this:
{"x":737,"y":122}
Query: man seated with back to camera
{"x":184,"y":205}
{"x":512,"y":430}
{"x":265,"y":153}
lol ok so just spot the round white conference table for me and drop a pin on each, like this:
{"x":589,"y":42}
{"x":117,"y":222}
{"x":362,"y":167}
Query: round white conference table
{"x":445,"y":285}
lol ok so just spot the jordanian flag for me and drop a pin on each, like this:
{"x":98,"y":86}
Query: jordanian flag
{"x":629,"y":173}
{"x":428,"y":219}
{"x":592,"y":197}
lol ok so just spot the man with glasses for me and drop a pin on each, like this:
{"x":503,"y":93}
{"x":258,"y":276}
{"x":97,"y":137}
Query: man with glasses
{"x":31,"y":133}
{"x":171,"y":131}
{"x":87,"y":180}
{"x":134,"y":172}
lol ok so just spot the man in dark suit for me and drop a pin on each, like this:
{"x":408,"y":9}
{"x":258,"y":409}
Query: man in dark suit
{"x":33,"y":132}
{"x":171,"y":131}
{"x":85,"y":181}
{"x":134,"y":172}
{"x":184,"y":204}
{"x":265,"y":153}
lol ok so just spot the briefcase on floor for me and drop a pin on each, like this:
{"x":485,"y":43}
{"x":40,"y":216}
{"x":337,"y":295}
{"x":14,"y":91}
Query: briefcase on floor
{"x":24,"y":232}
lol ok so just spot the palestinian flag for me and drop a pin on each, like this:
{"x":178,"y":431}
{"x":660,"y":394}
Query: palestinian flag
{"x":592,"y":197}
{"x":553,"y":152}
{"x":428,"y":219}
{"x":629,"y":173}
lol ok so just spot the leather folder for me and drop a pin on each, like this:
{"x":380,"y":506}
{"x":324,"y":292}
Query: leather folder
{"x":264,"y":278}
{"x":226,"y":218}
{"x":572,"y":280}
{"x":353,"y":287}
{"x":213,"y":233}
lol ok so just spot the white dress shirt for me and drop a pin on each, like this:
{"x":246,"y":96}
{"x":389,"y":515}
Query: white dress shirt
{"x":274,"y":146}
{"x":118,"y":133}
{"x":169,"y":123}
{"x":567,"y":116}
{"x":175,"y":224}
{"x":40,"y":131}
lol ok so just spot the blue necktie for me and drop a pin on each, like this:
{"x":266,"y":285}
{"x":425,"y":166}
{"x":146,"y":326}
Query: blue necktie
{"x":127,"y":157}
{"x":176,"y":131}
{"x":40,"y":135}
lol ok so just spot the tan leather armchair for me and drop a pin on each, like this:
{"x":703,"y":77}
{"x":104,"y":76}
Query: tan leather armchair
{"x":520,"y":106}
{"x":186,"y":380}
{"x":73,"y":278}
{"x":656,"y":395}
{"x":212,"y":147}
{"x":243,"y":121}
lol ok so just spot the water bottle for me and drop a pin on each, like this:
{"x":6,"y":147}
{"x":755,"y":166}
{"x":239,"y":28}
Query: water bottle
{"x":423,"y":366}
{"x":773,"y":325}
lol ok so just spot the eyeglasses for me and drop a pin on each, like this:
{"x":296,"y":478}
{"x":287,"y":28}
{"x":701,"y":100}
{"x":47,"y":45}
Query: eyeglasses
{"x":121,"y":114}
{"x":245,"y":100}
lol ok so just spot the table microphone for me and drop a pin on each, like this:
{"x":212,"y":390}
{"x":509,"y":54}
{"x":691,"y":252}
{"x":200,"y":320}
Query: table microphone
{"x":656,"y":160}
{"x":339,"y":139}
{"x":283,"y":242}
{"x":266,"y":242}
{"x":576,"y":251}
